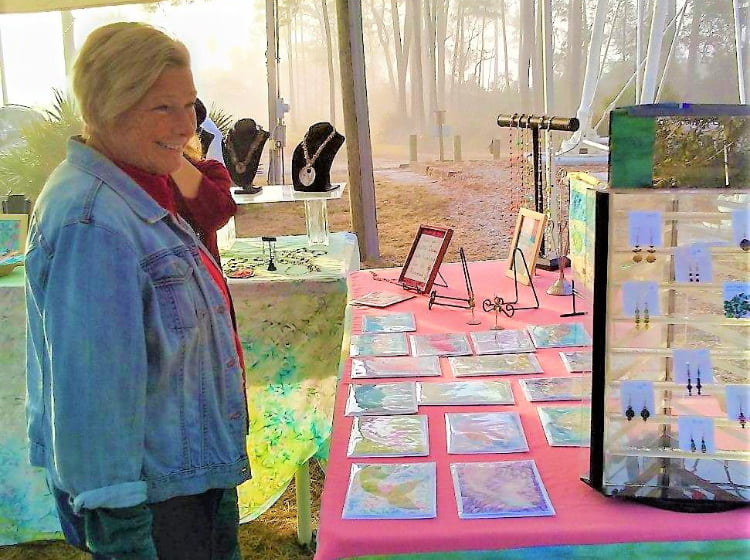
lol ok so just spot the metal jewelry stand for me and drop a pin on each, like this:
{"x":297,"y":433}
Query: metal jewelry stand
{"x":271,"y":252}
{"x":469,"y":302}
{"x":573,"y":293}
{"x":508,"y":308}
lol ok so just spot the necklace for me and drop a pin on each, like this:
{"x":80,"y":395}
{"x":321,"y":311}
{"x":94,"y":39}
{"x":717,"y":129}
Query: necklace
{"x":241,"y":166}
{"x":307,"y":173}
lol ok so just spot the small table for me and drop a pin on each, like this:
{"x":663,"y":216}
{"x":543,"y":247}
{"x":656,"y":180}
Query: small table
{"x":316,"y":213}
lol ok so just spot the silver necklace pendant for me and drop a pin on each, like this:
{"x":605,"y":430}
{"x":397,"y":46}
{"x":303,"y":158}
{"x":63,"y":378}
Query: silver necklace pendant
{"x":241,"y":167}
{"x":307,"y":176}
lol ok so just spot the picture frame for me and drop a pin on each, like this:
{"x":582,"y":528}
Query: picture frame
{"x":13,"y":229}
{"x":527,"y":237}
{"x":424,"y":259}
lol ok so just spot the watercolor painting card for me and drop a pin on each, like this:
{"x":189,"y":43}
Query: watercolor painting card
{"x":501,"y":342}
{"x":389,"y":436}
{"x":559,"y":335}
{"x":379,"y":344}
{"x":500,"y":489}
{"x":495,"y":364}
{"x":391,"y":491}
{"x":381,"y":299}
{"x":566,"y":426}
{"x":736,"y":300}
{"x":484,"y":432}
{"x":555,"y":388}
{"x":576,"y":362}
{"x":464,"y":392}
{"x":440,"y":344}
{"x":382,"y":398}
{"x":389,"y":323}
{"x":395,"y":366}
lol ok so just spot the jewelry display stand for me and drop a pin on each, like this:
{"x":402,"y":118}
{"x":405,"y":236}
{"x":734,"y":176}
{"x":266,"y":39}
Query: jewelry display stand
{"x":670,"y":347}
{"x":316,"y":213}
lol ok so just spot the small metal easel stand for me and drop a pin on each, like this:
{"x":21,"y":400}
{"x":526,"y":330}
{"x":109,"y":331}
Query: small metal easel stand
{"x":573,"y":293}
{"x":469,"y":302}
{"x":271,"y":252}
{"x":508,"y":308}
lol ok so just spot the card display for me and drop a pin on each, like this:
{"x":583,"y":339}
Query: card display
{"x":495,"y":364}
{"x":500,"y":489}
{"x":566,"y":426}
{"x":382,"y":398}
{"x":440,"y":344}
{"x":391,"y":491}
{"x":555,"y":388}
{"x":576,"y":362}
{"x":389,"y":436}
{"x":559,"y":335}
{"x":395,"y":366}
{"x":484,"y":432}
{"x":381,"y":299}
{"x":501,"y":342}
{"x":464,"y":392}
{"x":379,"y":344}
{"x":389,"y":323}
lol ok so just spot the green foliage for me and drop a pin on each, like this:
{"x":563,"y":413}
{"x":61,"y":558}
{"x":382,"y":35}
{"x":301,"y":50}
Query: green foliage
{"x":221,"y":119}
{"x":26,"y":167}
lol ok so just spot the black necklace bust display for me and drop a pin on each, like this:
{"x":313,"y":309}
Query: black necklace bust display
{"x":242,"y":149}
{"x":313,"y":157}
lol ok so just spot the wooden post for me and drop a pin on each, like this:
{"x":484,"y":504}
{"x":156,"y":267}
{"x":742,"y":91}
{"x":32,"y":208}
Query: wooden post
{"x":357,"y":128}
{"x":274,"y":153}
{"x":440,"y":115}
{"x":495,"y":148}
{"x":457,"y":148}
{"x":412,"y":147}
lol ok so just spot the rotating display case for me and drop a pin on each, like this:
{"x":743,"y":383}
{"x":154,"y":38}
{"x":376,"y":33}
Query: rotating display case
{"x":671,"y":391}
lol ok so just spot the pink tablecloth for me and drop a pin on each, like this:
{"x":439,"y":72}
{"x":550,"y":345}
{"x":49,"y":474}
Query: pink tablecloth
{"x":583,"y":516}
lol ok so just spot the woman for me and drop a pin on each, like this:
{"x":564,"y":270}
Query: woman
{"x":136,"y":399}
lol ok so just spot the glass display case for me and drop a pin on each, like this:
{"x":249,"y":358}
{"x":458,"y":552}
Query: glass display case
{"x":672,"y":310}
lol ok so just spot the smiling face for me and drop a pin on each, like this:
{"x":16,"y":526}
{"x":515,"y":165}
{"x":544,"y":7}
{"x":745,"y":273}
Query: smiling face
{"x":152,"y":134}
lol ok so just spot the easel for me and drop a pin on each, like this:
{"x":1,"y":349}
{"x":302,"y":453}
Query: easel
{"x":468,"y":302}
{"x":508,"y":308}
{"x":536,"y":123}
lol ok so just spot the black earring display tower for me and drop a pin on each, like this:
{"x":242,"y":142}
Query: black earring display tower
{"x":313,"y":157}
{"x":242,"y":149}
{"x":536,"y":123}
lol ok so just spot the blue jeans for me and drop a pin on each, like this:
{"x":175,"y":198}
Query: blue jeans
{"x":200,"y":527}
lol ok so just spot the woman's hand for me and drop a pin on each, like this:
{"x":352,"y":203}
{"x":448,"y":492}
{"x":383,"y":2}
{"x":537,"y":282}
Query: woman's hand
{"x":187,"y":178}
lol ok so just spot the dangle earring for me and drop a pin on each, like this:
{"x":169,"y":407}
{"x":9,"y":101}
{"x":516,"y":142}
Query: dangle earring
{"x":741,"y":416}
{"x":637,"y":257}
{"x":646,"y":316}
{"x":651,"y":257}
{"x":704,"y":449}
{"x":692,"y":444}
{"x":697,"y":273}
{"x":689,"y":383}
{"x":698,"y":385}
{"x":690,"y":273}
{"x":745,"y":244}
{"x":645,"y":413}
{"x":630,"y":413}
{"x":637,"y":313}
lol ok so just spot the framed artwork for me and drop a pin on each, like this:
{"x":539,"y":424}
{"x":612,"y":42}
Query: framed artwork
{"x":13,"y":233}
{"x":527,"y":237}
{"x":424,"y":259}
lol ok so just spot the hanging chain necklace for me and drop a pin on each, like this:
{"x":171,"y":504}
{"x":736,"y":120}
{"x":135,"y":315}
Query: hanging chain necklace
{"x":307,"y":173}
{"x":241,"y":166}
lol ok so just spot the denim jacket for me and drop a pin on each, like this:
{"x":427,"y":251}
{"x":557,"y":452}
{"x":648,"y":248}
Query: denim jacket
{"x":134,"y":390}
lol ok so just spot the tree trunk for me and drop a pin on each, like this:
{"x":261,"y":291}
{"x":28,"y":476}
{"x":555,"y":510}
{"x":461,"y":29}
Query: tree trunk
{"x":692,"y":59}
{"x":526,"y":42}
{"x":292,"y":17}
{"x":329,"y":57}
{"x":430,"y":44}
{"x":414,"y":20}
{"x":575,"y":55}
{"x":442,"y":32}
{"x":402,"y":58}
{"x":506,"y":66}
{"x":379,"y":19}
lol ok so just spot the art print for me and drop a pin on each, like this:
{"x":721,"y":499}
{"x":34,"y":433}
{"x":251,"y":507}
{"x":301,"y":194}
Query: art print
{"x":464,"y":393}
{"x":500,"y":489}
{"x":388,"y":436}
{"x":577,"y":362}
{"x":484,"y":432}
{"x":736,"y":300}
{"x":381,"y":299}
{"x":495,"y":364}
{"x":559,"y":335}
{"x":501,"y":342}
{"x":524,"y":245}
{"x":13,"y":229}
{"x":555,"y":388}
{"x":391,"y":491}
{"x":566,"y":426}
{"x":389,"y":323}
{"x":379,"y":344}
{"x":395,"y":366}
{"x":439,"y":344}
{"x":382,"y":398}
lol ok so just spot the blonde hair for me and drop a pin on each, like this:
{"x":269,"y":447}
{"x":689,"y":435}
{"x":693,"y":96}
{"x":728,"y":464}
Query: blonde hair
{"x":117,"y":65}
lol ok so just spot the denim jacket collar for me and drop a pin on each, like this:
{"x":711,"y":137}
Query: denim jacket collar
{"x":92,"y":161}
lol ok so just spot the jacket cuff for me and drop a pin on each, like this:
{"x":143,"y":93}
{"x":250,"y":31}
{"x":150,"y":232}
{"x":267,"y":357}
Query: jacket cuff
{"x":122,"y":495}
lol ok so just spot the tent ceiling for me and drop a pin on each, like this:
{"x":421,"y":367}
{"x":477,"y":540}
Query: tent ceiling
{"x":28,"y":6}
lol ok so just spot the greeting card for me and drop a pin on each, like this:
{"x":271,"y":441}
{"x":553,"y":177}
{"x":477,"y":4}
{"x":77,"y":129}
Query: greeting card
{"x":555,"y":388}
{"x":464,"y":392}
{"x":395,"y":366}
{"x":559,"y":335}
{"x":501,"y":342}
{"x":382,"y":398}
{"x":568,"y":426}
{"x":484,"y":432}
{"x":381,"y":299}
{"x":392,"y":322}
{"x":381,"y":344}
{"x":495,"y":364}
{"x":388,"y":436}
{"x":439,"y":344}
{"x":576,"y":362}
